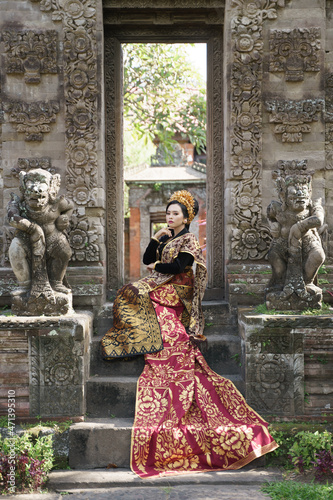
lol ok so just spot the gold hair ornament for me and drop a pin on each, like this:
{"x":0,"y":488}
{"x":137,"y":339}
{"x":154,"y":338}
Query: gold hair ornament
{"x":187,"y":200}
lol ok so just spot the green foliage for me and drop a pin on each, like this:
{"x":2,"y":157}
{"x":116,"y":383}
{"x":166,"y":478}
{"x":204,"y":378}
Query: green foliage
{"x":298,"y":440}
{"x":308,"y":444}
{"x":325,"y":309}
{"x":53,"y":424}
{"x":284,"y":490}
{"x":163,"y":95}
{"x":4,"y":421}
{"x":322,"y":270}
{"x":40,"y":448}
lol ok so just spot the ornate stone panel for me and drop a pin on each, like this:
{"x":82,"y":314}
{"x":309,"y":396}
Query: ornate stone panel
{"x":31,"y":53}
{"x":2,"y":233}
{"x":272,"y":387}
{"x":329,"y":120}
{"x":250,"y":237}
{"x":294,"y":52}
{"x":82,"y":92}
{"x":83,"y":238}
{"x":55,"y":376}
{"x":33,"y":119}
{"x":293,"y":118}
{"x":165,"y":17}
{"x":164,"y":4}
{"x":274,"y":364}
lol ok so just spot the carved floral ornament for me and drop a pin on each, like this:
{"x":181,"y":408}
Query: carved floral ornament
{"x":81,"y":90}
{"x":32,"y":119}
{"x":26,"y":164}
{"x":294,"y":52}
{"x":31,"y":53}
{"x":293,"y":118}
{"x":329,"y":121}
{"x":81,"y":113}
{"x":250,"y":238}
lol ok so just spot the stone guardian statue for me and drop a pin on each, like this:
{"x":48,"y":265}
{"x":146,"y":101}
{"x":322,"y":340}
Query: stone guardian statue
{"x":296,"y":251}
{"x":39,"y":252}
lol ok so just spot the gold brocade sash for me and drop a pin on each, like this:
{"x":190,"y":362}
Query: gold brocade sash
{"x":136,"y":329}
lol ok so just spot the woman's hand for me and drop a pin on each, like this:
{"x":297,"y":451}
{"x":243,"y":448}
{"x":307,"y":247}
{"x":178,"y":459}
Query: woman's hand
{"x":162,"y":232}
{"x":151,"y":266}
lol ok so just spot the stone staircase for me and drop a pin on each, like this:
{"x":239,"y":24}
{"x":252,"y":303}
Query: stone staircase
{"x":104,"y":437}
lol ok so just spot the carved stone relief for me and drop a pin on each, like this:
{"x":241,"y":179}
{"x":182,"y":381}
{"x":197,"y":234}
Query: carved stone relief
{"x":165,"y":17}
{"x":293,"y":118}
{"x":33,"y":119}
{"x":83,"y":239}
{"x":31,"y":53}
{"x":294,"y":52}
{"x":26,"y":164}
{"x":82,"y":88}
{"x":165,"y":4}
{"x":274,"y":359}
{"x":250,"y":238}
{"x":329,"y":121}
{"x":56,"y":375}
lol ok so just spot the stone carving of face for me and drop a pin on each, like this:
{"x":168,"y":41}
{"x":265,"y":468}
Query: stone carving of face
{"x":37,"y":189}
{"x":298,"y":197}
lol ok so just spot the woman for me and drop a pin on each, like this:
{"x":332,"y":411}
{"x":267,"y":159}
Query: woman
{"x":188,"y":418}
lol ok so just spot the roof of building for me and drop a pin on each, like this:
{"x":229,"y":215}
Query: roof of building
{"x":169,"y":174}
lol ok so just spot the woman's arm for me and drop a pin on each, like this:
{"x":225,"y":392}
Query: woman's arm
{"x":150,"y":253}
{"x":177,"y":266}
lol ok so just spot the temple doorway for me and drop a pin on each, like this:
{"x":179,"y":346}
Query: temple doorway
{"x":115,"y":36}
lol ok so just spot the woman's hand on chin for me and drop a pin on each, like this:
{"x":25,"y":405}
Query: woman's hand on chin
{"x":162,"y":232}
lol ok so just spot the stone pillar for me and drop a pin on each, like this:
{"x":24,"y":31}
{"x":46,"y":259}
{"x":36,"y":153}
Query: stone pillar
{"x":281,"y":353}
{"x":45,"y":360}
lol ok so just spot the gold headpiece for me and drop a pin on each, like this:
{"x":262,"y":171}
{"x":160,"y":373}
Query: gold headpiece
{"x":187,"y":200}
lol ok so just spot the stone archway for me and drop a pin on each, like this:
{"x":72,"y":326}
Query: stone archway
{"x":118,"y":31}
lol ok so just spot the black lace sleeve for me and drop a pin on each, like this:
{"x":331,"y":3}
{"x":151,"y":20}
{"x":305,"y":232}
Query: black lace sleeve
{"x":150,"y":253}
{"x":177,"y":266}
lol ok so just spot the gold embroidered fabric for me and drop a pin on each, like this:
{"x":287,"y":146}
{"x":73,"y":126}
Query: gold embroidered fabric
{"x":188,"y":418}
{"x":136,"y":329}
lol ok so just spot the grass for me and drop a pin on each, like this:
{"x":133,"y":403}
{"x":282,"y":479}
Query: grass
{"x":289,"y":490}
{"x":54,"y":424}
{"x":325,"y":309}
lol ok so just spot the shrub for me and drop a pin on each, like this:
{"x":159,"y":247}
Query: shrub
{"x":24,"y":463}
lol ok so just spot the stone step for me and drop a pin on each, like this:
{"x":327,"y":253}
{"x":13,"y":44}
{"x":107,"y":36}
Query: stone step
{"x":86,"y":480}
{"x":115,"y":396}
{"x":98,"y":443}
{"x":216,"y":312}
{"x":221,"y":355}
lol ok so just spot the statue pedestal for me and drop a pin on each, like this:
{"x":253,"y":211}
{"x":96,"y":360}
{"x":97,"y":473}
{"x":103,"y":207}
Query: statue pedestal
{"x":288,"y":363}
{"x":45,"y":360}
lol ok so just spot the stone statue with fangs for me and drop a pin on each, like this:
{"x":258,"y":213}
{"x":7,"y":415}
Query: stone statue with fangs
{"x":296,"y":252}
{"x":39,"y":252}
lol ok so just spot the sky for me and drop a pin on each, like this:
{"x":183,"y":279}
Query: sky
{"x":198,"y":56}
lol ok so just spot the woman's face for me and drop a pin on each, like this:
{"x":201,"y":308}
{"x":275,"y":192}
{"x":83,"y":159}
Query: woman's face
{"x":175,"y":218}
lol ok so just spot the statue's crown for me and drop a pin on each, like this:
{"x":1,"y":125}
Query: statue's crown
{"x":293,"y":172}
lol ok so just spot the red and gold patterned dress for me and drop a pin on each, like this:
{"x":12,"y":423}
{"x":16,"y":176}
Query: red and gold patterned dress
{"x":188,"y":418}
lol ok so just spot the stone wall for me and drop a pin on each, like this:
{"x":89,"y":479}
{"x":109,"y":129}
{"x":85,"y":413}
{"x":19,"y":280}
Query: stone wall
{"x":287,"y":363}
{"x":45,"y":361}
{"x":50,"y":117}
